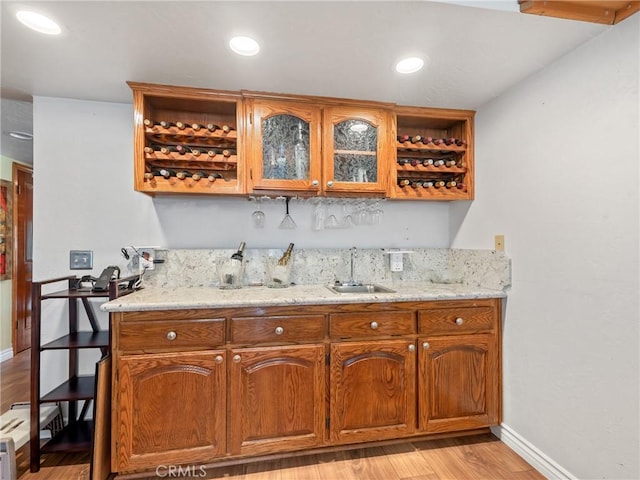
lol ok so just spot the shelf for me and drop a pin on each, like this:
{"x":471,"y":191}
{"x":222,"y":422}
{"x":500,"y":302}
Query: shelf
{"x":200,"y":161}
{"x":410,"y":169}
{"x":81,"y":387}
{"x":75,"y":437}
{"x":202,"y":135}
{"x":79,"y":293}
{"x":429,"y":148}
{"x":79,"y":340}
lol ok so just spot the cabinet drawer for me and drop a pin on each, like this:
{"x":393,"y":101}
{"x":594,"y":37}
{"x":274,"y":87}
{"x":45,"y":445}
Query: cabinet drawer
{"x":368,"y":324}
{"x":280,"y":329}
{"x":171,"y":334}
{"x":457,"y":320}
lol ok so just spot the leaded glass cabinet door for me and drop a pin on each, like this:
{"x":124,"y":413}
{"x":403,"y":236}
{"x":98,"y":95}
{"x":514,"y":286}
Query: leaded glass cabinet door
{"x":356,"y":150}
{"x":285,"y":146}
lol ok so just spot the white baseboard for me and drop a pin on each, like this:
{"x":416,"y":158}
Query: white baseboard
{"x":6,"y":354}
{"x":538,"y":460}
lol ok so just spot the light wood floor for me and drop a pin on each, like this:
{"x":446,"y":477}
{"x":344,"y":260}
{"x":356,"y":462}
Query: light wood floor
{"x":468,"y":458}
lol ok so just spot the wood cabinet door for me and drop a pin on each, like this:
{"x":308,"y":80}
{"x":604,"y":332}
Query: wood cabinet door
{"x":356,"y":150}
{"x":458,"y":382}
{"x":284,"y":146}
{"x":277,"y":398}
{"x":372,"y":390}
{"x":170,"y":409}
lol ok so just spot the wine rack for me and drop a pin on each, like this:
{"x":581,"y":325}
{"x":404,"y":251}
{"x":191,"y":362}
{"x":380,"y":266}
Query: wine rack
{"x":186,"y":140}
{"x":434,"y":155}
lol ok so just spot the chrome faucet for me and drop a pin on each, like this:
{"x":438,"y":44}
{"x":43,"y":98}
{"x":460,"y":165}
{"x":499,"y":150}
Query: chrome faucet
{"x":354,"y":254}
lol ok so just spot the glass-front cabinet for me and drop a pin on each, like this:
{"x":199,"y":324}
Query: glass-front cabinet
{"x":356,"y":146}
{"x":285,"y":146}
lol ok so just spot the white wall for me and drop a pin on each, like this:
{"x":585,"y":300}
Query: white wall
{"x":557,"y":174}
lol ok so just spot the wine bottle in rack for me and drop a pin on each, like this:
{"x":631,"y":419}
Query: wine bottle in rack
{"x":181,"y":125}
{"x":213,"y":175}
{"x":196,"y":126}
{"x":286,"y":256}
{"x":152,"y":174}
{"x":449,"y":141}
{"x":402,"y":161}
{"x":182,"y":174}
{"x":403,"y":182}
{"x":439,"y":183}
{"x":459,"y":142}
{"x":416,"y":184}
{"x":195,"y":151}
{"x":427,"y":140}
{"x":167,"y":173}
{"x":148,"y":149}
{"x":416,"y":139}
{"x":427,"y":162}
{"x":167,"y":149}
{"x":403,"y":138}
{"x":427,"y":184}
{"x":451,"y":163}
{"x":227,"y":128}
{"x":181,"y":149}
{"x":438,"y":141}
{"x":414,"y":162}
{"x":451,"y":184}
{"x":212,"y":127}
{"x":198,"y":175}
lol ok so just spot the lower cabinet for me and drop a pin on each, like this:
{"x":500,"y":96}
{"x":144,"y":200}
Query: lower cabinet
{"x":201,"y":386}
{"x":372,"y":390}
{"x":171,"y":409}
{"x":276,"y":398}
{"x":458,"y":383}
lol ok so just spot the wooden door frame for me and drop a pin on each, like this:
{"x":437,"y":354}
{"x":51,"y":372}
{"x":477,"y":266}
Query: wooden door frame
{"x":16,"y":167}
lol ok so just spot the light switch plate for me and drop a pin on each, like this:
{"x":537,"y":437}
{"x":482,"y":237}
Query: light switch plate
{"x":499,"y":240}
{"x":81,"y":259}
{"x":395,"y":261}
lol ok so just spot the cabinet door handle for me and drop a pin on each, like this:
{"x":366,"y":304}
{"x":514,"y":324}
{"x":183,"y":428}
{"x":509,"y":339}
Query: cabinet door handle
{"x":172,"y":335}
{"x":219,"y":359}
{"x":237,"y":358}
{"x":425,"y":346}
{"x":279,"y":330}
{"x":315,"y":183}
{"x":330,"y":183}
{"x":412,"y":347}
{"x":459,"y":321}
{"x":374,"y":325}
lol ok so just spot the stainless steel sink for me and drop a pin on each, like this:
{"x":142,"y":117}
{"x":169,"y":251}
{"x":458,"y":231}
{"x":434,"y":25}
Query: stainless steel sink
{"x":361,"y":288}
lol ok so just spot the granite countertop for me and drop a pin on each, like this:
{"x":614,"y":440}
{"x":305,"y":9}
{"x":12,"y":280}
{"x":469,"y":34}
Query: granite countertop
{"x":156,"y":298}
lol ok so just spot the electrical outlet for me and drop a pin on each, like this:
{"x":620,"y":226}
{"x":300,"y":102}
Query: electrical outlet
{"x":80,"y":259}
{"x":395,"y":261}
{"x":499,"y":243}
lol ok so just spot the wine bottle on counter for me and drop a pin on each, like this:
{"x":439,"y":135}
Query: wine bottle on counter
{"x":286,"y":256}
{"x":239,"y":255}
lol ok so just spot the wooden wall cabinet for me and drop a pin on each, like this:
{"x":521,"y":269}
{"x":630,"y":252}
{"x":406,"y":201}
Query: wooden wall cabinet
{"x":183,"y":155}
{"x":211,"y":385}
{"x":314,"y":148}
{"x":279,"y":144}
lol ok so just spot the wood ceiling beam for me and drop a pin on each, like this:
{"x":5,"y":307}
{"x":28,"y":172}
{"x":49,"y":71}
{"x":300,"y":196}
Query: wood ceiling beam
{"x":604,"y":12}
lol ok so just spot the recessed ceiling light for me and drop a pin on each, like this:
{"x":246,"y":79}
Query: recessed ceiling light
{"x":244,"y":46}
{"x":38,"y":22}
{"x":21,"y":135}
{"x":409,"y":65}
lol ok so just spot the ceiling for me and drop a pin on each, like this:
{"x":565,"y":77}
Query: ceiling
{"x":476,"y":50}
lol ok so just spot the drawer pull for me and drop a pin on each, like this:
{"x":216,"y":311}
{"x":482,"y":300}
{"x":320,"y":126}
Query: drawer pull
{"x":374,"y":325}
{"x":279,"y":330}
{"x":172,"y":335}
{"x":219,"y":359}
{"x":412,"y":347}
{"x":425,"y":346}
{"x":459,"y":321}
{"x":237,"y":358}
